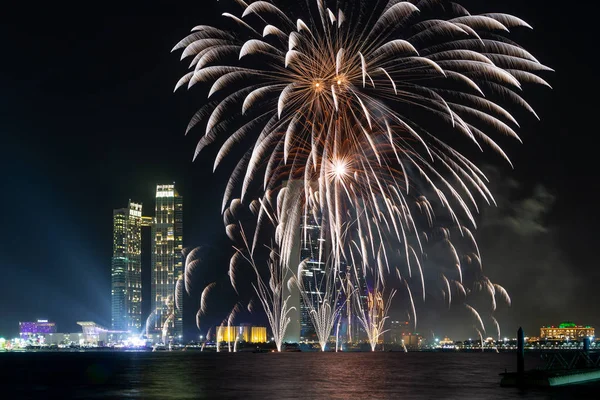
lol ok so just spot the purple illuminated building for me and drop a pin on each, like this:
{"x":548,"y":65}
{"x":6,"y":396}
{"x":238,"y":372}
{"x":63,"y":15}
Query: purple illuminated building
{"x":27,"y":329}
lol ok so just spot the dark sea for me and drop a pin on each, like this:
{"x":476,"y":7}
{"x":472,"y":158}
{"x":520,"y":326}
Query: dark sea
{"x":196,"y":375}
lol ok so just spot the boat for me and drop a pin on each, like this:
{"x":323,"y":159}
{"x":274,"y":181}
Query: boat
{"x":291,"y":348}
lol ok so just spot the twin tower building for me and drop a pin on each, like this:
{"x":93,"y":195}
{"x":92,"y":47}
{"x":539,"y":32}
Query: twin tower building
{"x":165,"y":321}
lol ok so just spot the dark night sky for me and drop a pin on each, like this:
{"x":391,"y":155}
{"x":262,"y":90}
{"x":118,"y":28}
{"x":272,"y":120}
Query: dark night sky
{"x":88,"y":120}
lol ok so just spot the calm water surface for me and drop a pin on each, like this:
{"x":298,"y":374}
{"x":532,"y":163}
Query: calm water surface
{"x":195,"y":375}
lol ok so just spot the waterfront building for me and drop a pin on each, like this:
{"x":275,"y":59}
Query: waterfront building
{"x":92,"y":335}
{"x":42,"y":326}
{"x":96,"y":335}
{"x":258,"y":334}
{"x":412,"y":340}
{"x":126,"y":269}
{"x":167,"y":263}
{"x":397,"y":329}
{"x":242,"y":333}
{"x":566,"y":331}
{"x":65,"y":339}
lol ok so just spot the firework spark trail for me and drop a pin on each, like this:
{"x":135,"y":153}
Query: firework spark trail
{"x":204,"y":297}
{"x":271,"y":296}
{"x":192,"y":262}
{"x":207,"y":339}
{"x":179,"y":289}
{"x":350,"y":107}
{"x":169,"y":321}
{"x":497,"y":325}
{"x":230,"y":319}
{"x":198,"y":318}
{"x":337,"y":335}
{"x":321,"y":298}
{"x":480,"y":339}
{"x":477,"y":316}
{"x":373,"y":313}
{"x":150,"y":322}
{"x":374,"y":316}
{"x":503,"y":293}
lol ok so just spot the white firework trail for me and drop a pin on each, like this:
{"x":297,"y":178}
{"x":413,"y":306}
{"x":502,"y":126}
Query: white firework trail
{"x":204,"y":297}
{"x":271,"y":295}
{"x":477,"y":316}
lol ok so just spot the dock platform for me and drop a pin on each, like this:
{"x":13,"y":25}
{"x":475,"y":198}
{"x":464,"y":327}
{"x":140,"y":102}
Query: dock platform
{"x":541,"y":378}
{"x":560,"y":369}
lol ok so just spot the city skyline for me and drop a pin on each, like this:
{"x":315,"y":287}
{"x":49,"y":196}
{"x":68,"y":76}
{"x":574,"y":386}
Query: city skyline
{"x":165,"y":318}
{"x":397,"y":333}
{"x":69,"y":229}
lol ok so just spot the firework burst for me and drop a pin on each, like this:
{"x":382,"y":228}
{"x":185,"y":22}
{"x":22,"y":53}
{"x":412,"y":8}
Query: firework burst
{"x":354,"y":113}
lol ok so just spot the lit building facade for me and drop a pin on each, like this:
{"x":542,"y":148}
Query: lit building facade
{"x":412,"y":341}
{"x":258,"y":334}
{"x":92,"y":335}
{"x":566,"y":331}
{"x":42,"y":326}
{"x":315,"y":282}
{"x":167,"y":262}
{"x":126,"y":269}
{"x":397,"y":330}
{"x":96,"y":335}
{"x":244,"y":333}
{"x":313,"y":275}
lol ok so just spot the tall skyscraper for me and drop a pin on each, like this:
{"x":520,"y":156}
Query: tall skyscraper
{"x":167,"y":262}
{"x":126,"y":269}
{"x":313,"y":275}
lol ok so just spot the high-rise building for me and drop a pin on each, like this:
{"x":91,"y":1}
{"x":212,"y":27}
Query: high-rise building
{"x":412,"y":340}
{"x":167,"y":262}
{"x":313,"y":275}
{"x":397,"y":330}
{"x":354,"y":292}
{"x":126,"y":268}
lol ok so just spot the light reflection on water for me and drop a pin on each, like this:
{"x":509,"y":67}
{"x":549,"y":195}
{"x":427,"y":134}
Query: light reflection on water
{"x":195,"y":375}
